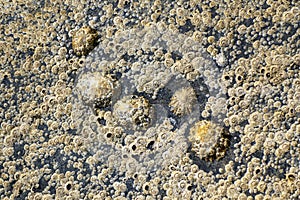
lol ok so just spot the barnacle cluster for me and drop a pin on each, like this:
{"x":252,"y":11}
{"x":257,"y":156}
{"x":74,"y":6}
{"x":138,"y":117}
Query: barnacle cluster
{"x":208,"y":141}
{"x":84,"y":40}
{"x":95,"y":88}
{"x":133,"y":110}
{"x":150,"y":100}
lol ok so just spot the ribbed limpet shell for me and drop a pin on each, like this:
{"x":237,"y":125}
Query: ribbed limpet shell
{"x":182,"y":101}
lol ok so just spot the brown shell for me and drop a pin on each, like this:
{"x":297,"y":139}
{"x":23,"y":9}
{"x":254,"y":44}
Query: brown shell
{"x":84,"y":40}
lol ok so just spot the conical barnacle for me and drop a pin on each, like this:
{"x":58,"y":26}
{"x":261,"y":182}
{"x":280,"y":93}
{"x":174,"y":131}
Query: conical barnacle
{"x":84,"y":40}
{"x":208,"y":141}
{"x":133,"y":111}
{"x":182,"y":101}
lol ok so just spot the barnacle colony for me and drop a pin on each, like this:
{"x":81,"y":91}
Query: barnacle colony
{"x":133,"y":111}
{"x":208,"y":141}
{"x":95,"y":88}
{"x":84,"y":40}
{"x":156,"y":103}
{"x":42,"y":153}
